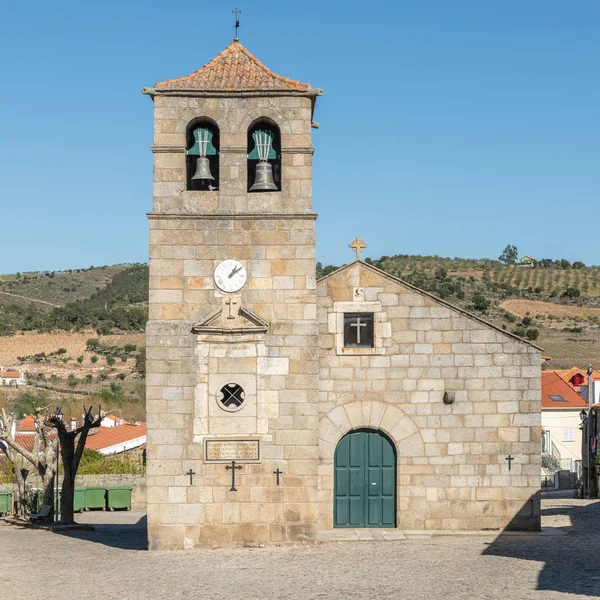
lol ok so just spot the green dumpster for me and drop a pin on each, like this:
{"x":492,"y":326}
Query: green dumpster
{"x":5,"y":502}
{"x":78,"y":499}
{"x":118,"y":496}
{"x":95,"y":498}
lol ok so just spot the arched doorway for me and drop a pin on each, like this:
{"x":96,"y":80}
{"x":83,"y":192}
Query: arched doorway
{"x":364,"y":480}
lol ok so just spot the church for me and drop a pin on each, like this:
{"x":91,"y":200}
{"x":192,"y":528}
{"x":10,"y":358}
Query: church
{"x":280,"y":406}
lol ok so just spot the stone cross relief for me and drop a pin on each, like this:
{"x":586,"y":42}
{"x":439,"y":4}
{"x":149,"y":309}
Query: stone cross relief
{"x":231,"y":310}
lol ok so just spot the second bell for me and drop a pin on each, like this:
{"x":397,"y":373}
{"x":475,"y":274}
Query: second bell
{"x":263,"y":179}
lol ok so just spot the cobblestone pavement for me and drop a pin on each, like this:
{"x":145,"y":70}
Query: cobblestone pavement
{"x":109,"y":564}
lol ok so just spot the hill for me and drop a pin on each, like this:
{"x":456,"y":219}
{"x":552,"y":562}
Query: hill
{"x":108,"y":299}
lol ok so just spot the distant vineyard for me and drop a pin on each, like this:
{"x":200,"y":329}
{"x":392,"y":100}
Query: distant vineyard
{"x":545,"y":281}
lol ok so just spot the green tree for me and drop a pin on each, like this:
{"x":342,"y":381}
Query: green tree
{"x":510,"y":255}
{"x":480,"y":302}
{"x":532,"y":333}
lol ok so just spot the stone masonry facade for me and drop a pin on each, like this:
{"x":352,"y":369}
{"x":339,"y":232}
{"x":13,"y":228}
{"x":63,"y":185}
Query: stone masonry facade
{"x":452,"y":471}
{"x":303,"y":390}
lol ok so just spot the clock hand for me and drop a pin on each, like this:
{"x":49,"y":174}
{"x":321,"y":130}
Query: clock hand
{"x":235,"y":270}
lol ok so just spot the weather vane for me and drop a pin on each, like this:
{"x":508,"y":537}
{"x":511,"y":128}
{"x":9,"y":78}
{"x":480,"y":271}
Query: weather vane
{"x":236,"y":12}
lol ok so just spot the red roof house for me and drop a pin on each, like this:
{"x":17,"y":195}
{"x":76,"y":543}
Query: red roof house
{"x":557,"y":394}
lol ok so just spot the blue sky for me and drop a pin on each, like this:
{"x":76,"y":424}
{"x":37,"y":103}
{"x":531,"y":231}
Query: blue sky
{"x":448,"y":128}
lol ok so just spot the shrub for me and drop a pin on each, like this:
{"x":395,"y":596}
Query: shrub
{"x":124,"y":357}
{"x":80,"y":359}
{"x":110,"y":361}
{"x":532,"y":333}
{"x":571,"y":292}
{"x":61,"y":351}
{"x":130,"y":348}
{"x":121,"y":376}
{"x":94,"y":359}
{"x":72,"y":381}
{"x":480,"y":302}
{"x":92,"y":344}
{"x":93,"y":463}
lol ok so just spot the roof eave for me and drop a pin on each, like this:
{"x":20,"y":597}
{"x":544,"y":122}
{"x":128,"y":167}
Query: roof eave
{"x":241,"y":93}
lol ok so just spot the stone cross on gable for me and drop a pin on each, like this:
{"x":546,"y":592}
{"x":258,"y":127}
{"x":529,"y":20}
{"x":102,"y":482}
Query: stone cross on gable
{"x":358,"y":246}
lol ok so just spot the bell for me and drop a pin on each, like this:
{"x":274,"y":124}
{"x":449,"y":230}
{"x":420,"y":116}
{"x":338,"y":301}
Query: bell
{"x":263,"y":180}
{"x":202,"y":169}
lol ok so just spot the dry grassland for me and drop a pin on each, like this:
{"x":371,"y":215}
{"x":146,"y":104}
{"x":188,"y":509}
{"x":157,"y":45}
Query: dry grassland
{"x":520,"y":308}
{"x":29,"y":343}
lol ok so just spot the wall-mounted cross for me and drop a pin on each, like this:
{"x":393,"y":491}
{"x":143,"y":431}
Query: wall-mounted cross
{"x":509,"y":458}
{"x":358,"y":246}
{"x":277,"y":474}
{"x":233,"y":468}
{"x":191,"y":474}
{"x":231,"y":304}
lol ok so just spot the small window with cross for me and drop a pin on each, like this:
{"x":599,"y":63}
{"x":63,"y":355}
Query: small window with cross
{"x":358,"y":330}
{"x":232,"y":397}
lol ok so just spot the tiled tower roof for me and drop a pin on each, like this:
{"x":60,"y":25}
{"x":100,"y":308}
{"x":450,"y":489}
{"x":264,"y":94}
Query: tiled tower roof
{"x":234,"y":69}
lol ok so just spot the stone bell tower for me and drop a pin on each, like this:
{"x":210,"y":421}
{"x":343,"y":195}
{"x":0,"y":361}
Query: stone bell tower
{"x":232,"y":337}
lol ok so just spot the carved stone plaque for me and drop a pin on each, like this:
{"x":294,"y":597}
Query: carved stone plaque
{"x":228,"y":450}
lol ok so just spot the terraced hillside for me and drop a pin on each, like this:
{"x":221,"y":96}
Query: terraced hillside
{"x":549,"y":281}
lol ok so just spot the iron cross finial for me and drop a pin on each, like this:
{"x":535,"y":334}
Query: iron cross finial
{"x":358,"y":246}
{"x":236,"y":12}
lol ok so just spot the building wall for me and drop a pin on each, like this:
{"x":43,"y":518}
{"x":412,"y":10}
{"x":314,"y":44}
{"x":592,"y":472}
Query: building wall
{"x":556,"y":422}
{"x":452,"y":471}
{"x":273,"y":235}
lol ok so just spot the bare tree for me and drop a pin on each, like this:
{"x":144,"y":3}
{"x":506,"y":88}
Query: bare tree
{"x":43,"y":455}
{"x":21,"y":473}
{"x":72,"y":444}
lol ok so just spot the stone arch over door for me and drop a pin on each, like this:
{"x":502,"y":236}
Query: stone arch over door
{"x":374,"y":415}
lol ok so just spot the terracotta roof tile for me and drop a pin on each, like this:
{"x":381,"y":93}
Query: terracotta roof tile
{"x":568,"y":374}
{"x":112,"y":436}
{"x":558,"y":394}
{"x":25,"y":440}
{"x":27,"y":424}
{"x":234,"y":69}
{"x":10,"y":374}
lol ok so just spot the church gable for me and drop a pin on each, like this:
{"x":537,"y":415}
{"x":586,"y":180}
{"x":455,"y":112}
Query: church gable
{"x":360,"y":287}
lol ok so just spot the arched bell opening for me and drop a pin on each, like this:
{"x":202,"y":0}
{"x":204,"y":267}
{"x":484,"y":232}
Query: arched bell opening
{"x":202,"y":155}
{"x":364,"y":480}
{"x":264,"y":156}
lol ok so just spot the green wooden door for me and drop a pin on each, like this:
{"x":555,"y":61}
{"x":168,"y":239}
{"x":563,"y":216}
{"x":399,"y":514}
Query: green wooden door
{"x":364,"y":481}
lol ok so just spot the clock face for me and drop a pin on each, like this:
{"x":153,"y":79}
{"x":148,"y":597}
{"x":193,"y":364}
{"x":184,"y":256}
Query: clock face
{"x":230,"y":276}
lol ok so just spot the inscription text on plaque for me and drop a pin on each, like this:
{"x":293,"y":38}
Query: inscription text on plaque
{"x":228,"y":450}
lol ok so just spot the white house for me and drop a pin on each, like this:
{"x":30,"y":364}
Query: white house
{"x":561,"y":421}
{"x":11,"y":377}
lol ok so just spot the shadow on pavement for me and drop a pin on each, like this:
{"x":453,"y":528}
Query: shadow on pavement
{"x":126,"y":536}
{"x":569,"y":560}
